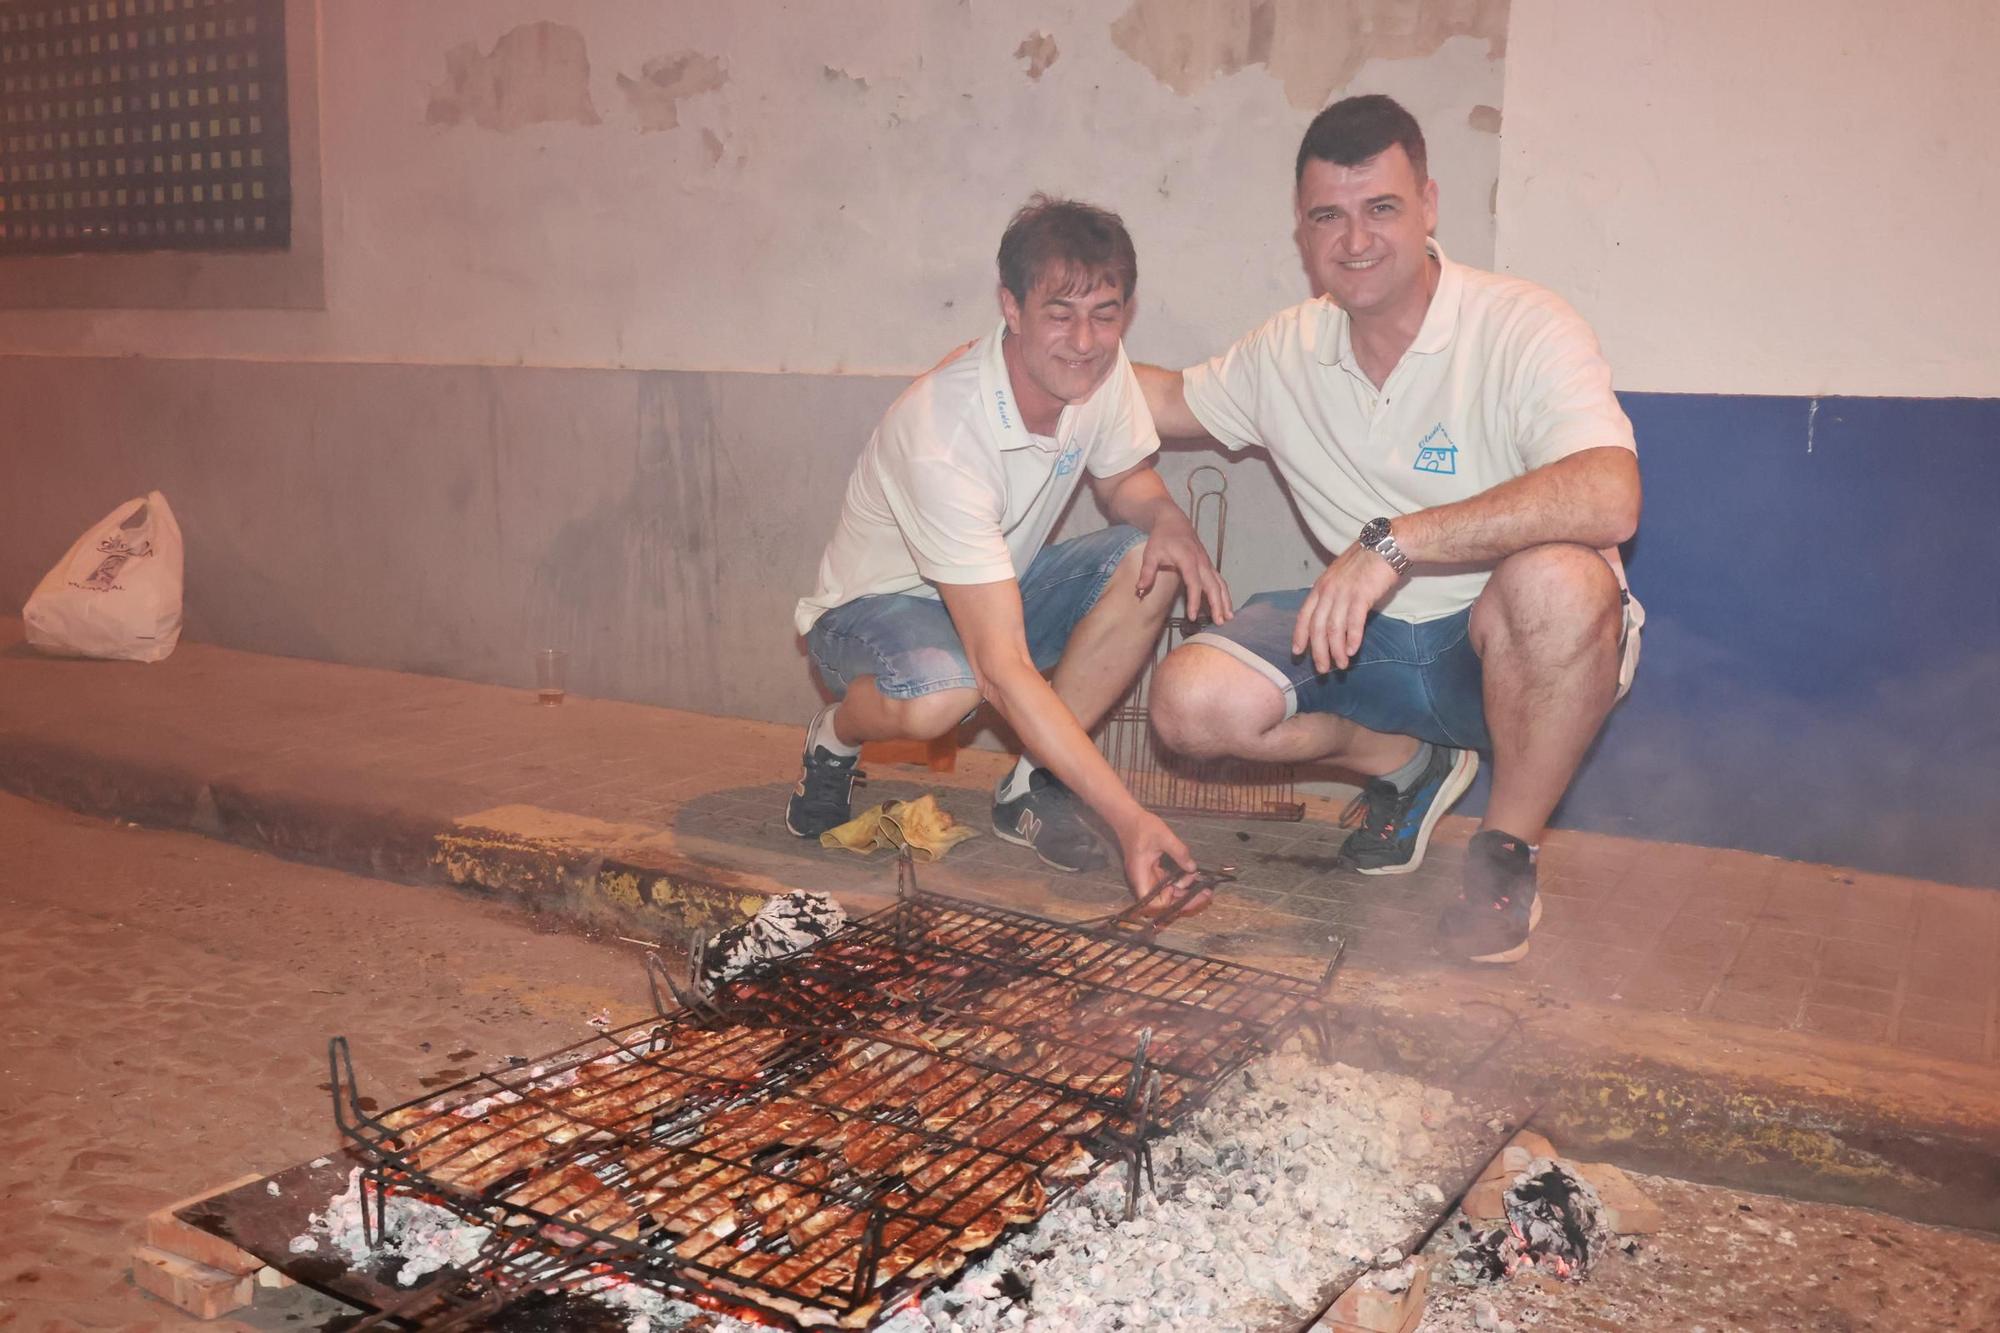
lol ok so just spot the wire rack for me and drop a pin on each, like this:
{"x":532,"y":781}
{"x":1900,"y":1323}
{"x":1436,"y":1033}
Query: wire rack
{"x":817,"y":1141}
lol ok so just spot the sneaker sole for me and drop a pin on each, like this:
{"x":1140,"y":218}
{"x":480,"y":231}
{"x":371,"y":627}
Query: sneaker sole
{"x":798,"y":834}
{"x":1519,"y":951}
{"x":1455,"y":783}
{"x":1019,"y":841}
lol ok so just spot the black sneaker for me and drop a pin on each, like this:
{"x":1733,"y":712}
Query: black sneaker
{"x":1395,"y":828}
{"x":820,"y":801}
{"x":1049,"y":818}
{"x":1497,"y":908}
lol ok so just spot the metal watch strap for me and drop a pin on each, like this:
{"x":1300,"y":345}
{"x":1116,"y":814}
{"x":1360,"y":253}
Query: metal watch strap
{"x":1388,"y":550}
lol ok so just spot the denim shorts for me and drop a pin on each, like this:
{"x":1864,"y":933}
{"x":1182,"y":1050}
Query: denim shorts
{"x":1410,"y":678}
{"x":910,"y":646}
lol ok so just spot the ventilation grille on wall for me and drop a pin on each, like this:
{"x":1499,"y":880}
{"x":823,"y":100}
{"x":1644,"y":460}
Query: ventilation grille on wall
{"x":143,"y":125}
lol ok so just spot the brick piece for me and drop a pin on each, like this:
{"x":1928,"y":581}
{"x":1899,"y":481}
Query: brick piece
{"x":1626,"y":1211}
{"x":1483,"y":1202}
{"x":202,"y":1291}
{"x":1366,"y":1308}
{"x":1486,"y":1202}
{"x":1524,"y":1148}
{"x":166,"y":1232}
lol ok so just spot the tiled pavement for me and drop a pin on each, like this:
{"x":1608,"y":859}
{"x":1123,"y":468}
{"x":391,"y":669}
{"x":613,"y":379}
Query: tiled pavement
{"x":1725,"y":940}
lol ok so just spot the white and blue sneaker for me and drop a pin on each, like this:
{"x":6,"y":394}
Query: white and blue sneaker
{"x":1395,"y":827}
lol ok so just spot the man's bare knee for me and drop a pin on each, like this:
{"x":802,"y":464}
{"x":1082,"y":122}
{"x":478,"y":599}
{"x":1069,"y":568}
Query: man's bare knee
{"x":1556,"y":601}
{"x":1204,"y":704}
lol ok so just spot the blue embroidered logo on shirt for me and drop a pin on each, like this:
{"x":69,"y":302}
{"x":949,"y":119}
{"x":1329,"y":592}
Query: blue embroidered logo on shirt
{"x":1070,"y":457}
{"x":1436,"y":453}
{"x":1000,"y":405}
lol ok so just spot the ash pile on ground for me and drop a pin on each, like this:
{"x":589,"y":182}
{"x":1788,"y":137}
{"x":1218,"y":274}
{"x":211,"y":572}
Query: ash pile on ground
{"x":1293,"y":1175}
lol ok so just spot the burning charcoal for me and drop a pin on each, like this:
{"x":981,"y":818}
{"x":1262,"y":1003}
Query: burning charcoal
{"x":1555,"y":1223}
{"x":1558,"y":1216}
{"x":784,"y":925}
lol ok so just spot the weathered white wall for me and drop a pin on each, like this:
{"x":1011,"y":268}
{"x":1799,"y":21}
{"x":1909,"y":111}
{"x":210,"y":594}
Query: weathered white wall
{"x":1793,"y":196}
{"x":814,"y":187}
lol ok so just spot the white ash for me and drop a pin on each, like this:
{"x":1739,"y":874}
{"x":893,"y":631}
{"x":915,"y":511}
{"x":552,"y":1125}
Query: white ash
{"x":1294,"y":1174}
{"x":784,"y":925}
{"x":422,"y":1235}
{"x":426,"y":1238}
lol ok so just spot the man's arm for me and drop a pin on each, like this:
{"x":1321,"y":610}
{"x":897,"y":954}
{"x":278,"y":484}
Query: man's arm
{"x":1166,"y":399}
{"x":989,"y":623}
{"x":1590,"y":497}
{"x":1139,"y":497}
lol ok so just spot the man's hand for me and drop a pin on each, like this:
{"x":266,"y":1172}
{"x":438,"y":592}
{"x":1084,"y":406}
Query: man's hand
{"x":1147,"y":847}
{"x":1336,"y":610}
{"x":1172,"y":544}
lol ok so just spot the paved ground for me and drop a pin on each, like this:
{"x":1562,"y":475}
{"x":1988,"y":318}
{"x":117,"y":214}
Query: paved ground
{"x":362,"y":768}
{"x":168,"y":999}
{"x":167,"y":1005}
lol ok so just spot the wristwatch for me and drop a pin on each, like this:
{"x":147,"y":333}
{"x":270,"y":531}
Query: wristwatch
{"x":1376,"y":537}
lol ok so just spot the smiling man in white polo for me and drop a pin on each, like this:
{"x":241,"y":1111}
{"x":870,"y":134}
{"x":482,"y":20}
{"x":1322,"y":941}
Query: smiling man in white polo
{"x":939,"y":589}
{"x":1450,"y":435}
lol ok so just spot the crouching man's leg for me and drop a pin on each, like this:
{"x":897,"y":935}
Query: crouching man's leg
{"x":1086,"y":622}
{"x":1237,"y":690}
{"x":1550,"y":630}
{"x":897,"y":671}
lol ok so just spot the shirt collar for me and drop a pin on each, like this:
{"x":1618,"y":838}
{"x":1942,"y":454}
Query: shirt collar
{"x":1433,"y":335}
{"x":996,"y":397}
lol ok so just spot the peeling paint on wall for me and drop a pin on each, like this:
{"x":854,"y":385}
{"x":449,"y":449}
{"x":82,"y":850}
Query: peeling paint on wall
{"x":535,"y":73}
{"x":1485,"y":119}
{"x":1039,"y":50}
{"x":1312,"y":47}
{"x":711,"y":144}
{"x":664,"y":82}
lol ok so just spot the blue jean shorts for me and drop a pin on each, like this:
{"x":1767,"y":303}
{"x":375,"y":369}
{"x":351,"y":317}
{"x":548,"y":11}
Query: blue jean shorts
{"x":1410,"y":678}
{"x":910,"y":646}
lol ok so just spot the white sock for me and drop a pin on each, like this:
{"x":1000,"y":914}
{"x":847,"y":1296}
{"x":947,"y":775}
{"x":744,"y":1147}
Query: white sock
{"x":820,"y":733}
{"x":1016,"y":782}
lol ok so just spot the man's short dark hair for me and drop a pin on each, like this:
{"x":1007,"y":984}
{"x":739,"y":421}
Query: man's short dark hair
{"x":1355,"y":129}
{"x":1070,"y":246}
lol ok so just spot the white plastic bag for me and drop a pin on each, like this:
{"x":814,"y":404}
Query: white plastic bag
{"x":118,"y":591}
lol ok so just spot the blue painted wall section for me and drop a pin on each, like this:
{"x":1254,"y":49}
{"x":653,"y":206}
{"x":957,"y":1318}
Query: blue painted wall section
{"x":1821,"y":672}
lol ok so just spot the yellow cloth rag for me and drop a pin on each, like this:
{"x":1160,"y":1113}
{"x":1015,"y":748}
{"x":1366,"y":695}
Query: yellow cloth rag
{"x":920,"y":825}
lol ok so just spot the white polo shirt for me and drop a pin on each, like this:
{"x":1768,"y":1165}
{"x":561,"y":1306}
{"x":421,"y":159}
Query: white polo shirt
{"x":1503,"y":377}
{"x":953,"y":488}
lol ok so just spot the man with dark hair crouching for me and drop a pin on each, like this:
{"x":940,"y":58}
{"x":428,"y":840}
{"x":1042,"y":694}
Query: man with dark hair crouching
{"x":939,"y":589}
{"x":1452,"y":437}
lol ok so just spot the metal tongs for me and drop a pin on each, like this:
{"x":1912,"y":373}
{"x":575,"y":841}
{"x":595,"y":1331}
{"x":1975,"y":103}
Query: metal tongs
{"x":1165,"y":903}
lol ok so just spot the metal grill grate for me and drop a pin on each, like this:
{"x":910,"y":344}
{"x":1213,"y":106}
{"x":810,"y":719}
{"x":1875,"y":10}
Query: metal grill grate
{"x":830,"y":1133}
